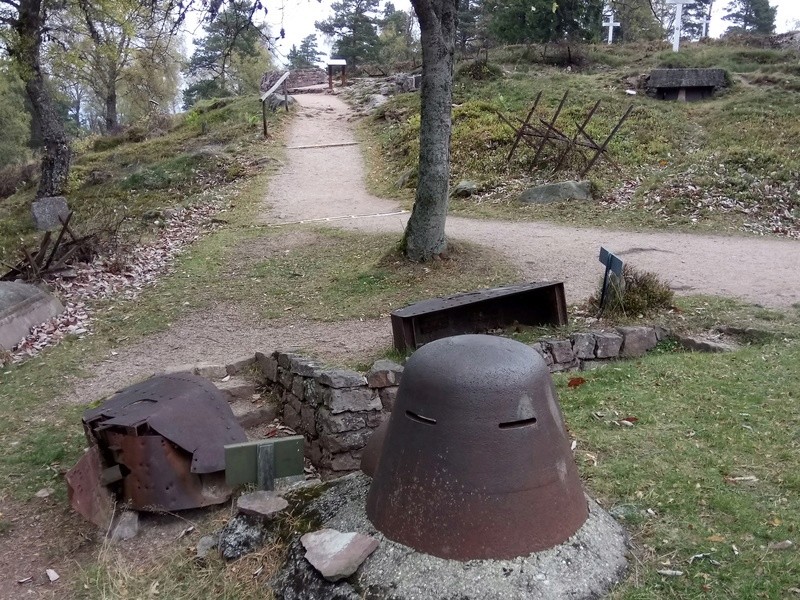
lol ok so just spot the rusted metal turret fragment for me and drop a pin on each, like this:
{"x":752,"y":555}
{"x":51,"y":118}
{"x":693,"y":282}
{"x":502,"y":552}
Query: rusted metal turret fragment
{"x":161,"y":445}
{"x":476,"y":463}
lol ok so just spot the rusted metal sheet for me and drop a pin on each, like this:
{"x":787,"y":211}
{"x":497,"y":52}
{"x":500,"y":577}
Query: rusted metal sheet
{"x":159,"y":476}
{"x":532,"y":304}
{"x":476,"y":462}
{"x":167,"y":436}
{"x":87,"y":495}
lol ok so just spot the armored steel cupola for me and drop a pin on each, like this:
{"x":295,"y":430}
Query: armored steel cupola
{"x":476,"y":462}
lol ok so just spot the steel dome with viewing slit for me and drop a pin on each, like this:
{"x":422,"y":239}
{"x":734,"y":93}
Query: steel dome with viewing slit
{"x":476,"y":463}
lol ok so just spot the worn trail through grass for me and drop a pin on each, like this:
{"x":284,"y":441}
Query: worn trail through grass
{"x":329,"y":182}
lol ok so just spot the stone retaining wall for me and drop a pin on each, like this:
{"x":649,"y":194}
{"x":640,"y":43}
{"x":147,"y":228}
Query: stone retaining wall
{"x":297,"y":78}
{"x":337,"y":409}
{"x":334,"y":409}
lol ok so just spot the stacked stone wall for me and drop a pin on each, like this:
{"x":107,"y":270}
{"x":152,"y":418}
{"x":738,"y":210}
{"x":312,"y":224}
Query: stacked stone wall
{"x":336,"y":410}
{"x":297,"y":78}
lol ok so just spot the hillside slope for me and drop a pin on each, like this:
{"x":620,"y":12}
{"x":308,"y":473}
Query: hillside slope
{"x":729,"y":164}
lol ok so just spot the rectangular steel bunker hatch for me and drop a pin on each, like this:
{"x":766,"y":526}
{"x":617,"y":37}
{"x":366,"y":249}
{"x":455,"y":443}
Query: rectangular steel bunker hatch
{"x":536,"y":303}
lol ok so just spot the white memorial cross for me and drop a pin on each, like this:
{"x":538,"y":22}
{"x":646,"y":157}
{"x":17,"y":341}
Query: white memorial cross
{"x":706,"y":22}
{"x":676,"y":38}
{"x":611,"y":24}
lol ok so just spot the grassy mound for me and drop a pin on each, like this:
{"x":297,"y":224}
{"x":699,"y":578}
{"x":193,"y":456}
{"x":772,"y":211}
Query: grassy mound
{"x":727,"y":164}
{"x":147,"y":168}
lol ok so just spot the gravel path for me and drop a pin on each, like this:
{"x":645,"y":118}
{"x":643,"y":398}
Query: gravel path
{"x":328,"y":182}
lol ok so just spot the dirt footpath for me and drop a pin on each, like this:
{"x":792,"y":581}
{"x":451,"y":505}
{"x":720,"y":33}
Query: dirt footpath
{"x":328,"y":182}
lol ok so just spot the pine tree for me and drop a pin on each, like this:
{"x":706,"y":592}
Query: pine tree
{"x":751,"y":16}
{"x":230,"y":40}
{"x":307,"y":55}
{"x":353,"y":28}
{"x":531,"y":21}
{"x":467,"y":24}
{"x":638,"y":20}
{"x":694,"y":15}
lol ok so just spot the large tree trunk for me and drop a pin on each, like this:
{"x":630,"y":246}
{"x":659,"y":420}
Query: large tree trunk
{"x":112,"y":122}
{"x":424,"y":236}
{"x":26,"y":52}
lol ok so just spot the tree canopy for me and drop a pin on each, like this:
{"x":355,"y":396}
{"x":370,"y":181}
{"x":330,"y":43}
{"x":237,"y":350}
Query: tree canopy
{"x":14,"y":123}
{"x":307,"y":55}
{"x":222,"y":62}
{"x":750,"y":16}
{"x":354,"y":30}
{"x":532,"y":21}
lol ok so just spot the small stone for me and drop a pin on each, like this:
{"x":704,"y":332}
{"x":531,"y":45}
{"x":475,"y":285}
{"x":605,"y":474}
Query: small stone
{"x":338,"y":423}
{"x":48,"y":211}
{"x":308,"y":420}
{"x":210,"y":371}
{"x":242,"y":535}
{"x":346,"y":462}
{"x":205,"y":545}
{"x":303,"y":366}
{"x":583,"y":345}
{"x":337,"y":555}
{"x":262,"y":504}
{"x":608,"y":344}
{"x":544,"y":352}
{"x":388,"y":396}
{"x":557,"y":192}
{"x":311,"y":392}
{"x":778,"y":546}
{"x":561,"y":351}
{"x":384,"y":373}
{"x":464,"y":189}
{"x":125,"y":526}
{"x":298,"y":386}
{"x":23,"y":306}
{"x":236,"y":388}
{"x":701,"y":344}
{"x":239,"y":365}
{"x":354,"y":400}
{"x":44,"y":492}
{"x":637,"y":341}
{"x":53,"y":576}
{"x":285,"y":359}
{"x":291,"y":417}
{"x":341,"y":378}
{"x":349,"y":440}
{"x":268,"y":366}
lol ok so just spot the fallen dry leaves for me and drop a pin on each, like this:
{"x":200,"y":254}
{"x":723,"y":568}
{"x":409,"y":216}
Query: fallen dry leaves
{"x":122,"y":275}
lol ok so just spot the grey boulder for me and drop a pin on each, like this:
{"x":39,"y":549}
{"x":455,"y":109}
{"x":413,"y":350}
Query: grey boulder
{"x":337,"y":555}
{"x":557,"y":192}
{"x":46,"y":212}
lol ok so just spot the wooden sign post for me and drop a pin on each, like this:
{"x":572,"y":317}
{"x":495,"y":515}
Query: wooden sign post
{"x":613,"y":265}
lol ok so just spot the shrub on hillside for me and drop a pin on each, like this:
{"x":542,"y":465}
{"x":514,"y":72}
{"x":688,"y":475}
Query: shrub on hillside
{"x":16,"y":177}
{"x":639,"y":293}
{"x":478,"y":70}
